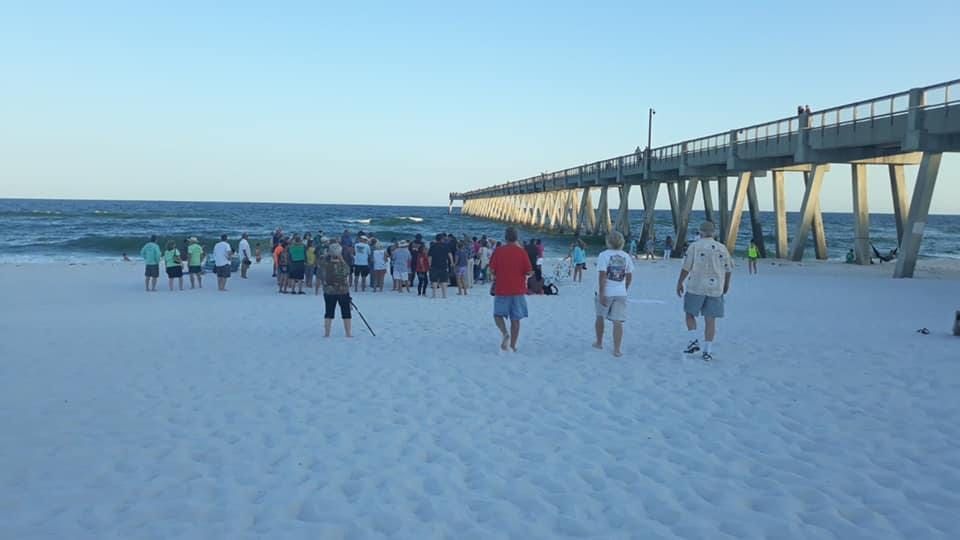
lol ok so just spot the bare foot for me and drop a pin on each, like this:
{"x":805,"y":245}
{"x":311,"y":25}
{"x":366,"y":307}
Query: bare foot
{"x":597,"y":345}
{"x":505,"y":344}
{"x":617,"y":354}
{"x":326,"y":335}
{"x":514,"y":349}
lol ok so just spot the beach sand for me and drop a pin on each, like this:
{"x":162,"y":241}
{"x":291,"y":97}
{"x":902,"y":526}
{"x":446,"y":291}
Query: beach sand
{"x":206,"y":415}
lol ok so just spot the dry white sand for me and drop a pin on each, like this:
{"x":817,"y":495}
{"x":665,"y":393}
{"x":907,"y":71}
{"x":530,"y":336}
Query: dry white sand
{"x":205,"y":415}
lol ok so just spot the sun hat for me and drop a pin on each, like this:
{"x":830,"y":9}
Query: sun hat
{"x":403,"y":244}
{"x":192,"y":239}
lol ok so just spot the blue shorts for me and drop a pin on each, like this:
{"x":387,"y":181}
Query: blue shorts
{"x":512,"y":307}
{"x":710,"y":307}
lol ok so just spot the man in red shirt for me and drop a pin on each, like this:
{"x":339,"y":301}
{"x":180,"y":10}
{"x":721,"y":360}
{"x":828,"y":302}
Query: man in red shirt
{"x":510,"y":267}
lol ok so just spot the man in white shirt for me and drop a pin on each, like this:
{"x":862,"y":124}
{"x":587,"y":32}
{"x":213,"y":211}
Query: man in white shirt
{"x":361,"y":264}
{"x":245,"y":257}
{"x":221,"y":260}
{"x":708,"y":266}
{"x":615,"y":273}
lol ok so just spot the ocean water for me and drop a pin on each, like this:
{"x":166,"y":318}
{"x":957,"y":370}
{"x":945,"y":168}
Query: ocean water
{"x":77,"y":231}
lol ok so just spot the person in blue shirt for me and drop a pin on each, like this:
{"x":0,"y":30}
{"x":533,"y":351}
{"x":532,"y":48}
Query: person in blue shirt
{"x":579,"y":259}
{"x":151,"y":257}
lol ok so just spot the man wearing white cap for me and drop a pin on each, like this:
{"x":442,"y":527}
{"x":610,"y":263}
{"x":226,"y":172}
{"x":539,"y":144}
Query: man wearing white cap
{"x":706,"y":271}
{"x":195,"y":258}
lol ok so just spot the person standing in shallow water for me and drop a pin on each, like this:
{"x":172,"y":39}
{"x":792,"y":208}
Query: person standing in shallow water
{"x":708,"y":266}
{"x":510,"y":267}
{"x":336,"y":289}
{"x":151,"y":258}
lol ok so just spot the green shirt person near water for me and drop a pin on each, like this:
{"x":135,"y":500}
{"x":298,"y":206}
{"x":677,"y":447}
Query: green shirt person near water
{"x":195,"y":255}
{"x":150,"y":253}
{"x":171,"y":257}
{"x":753,"y":252}
{"x":298,"y":252}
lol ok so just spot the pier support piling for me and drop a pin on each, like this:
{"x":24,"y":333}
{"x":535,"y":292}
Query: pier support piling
{"x":650,"y":193}
{"x":917,"y":218}
{"x":690,"y":193}
{"x":674,"y":206}
{"x":707,"y":200}
{"x":809,"y":210}
{"x":723,"y":198}
{"x":756,"y":226}
{"x":861,"y":214}
{"x":901,"y":208}
{"x":739,"y":199}
{"x":780,"y":210}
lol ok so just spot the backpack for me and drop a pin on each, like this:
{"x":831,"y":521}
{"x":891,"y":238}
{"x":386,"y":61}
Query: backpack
{"x":551,"y":289}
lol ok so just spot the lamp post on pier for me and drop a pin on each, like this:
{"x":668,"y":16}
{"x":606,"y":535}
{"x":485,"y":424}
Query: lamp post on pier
{"x":650,"y":114}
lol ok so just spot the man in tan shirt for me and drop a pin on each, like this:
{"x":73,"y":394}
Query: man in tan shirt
{"x":706,"y":271}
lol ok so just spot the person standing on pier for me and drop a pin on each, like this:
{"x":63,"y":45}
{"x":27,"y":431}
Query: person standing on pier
{"x":708,"y":266}
{"x":510,"y":267}
{"x":151,"y":258}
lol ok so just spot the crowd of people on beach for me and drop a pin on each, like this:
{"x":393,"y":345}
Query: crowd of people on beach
{"x":350,"y":263}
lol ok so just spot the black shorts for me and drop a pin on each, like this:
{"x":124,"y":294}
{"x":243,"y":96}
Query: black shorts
{"x":153,"y":270}
{"x":174,"y":271}
{"x":223,"y":271}
{"x":439,"y":275}
{"x":195,"y":269}
{"x":330,"y":304}
{"x":362,"y":271}
{"x":582,"y":266}
{"x":295,"y":271}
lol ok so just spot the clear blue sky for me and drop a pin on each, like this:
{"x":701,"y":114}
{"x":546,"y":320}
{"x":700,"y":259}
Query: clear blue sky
{"x":400,"y":102}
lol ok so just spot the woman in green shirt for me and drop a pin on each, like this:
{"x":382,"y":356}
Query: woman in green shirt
{"x":172,"y":263}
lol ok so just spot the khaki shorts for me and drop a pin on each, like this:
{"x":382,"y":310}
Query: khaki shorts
{"x":615,"y":310}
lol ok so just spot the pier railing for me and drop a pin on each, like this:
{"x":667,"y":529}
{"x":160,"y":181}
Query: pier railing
{"x":866,"y":113}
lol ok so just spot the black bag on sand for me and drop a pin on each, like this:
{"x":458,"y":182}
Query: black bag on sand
{"x":551,"y":289}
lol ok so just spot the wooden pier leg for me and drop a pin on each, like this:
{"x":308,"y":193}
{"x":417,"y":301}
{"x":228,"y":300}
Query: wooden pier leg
{"x":898,"y":188}
{"x":723,"y":198}
{"x":756,"y":225}
{"x":690,"y":193}
{"x":780,"y":210}
{"x":739,"y":199}
{"x":808,"y":211}
{"x":917,"y":218}
{"x":861,"y":214}
{"x":707,"y":200}
{"x":651,"y":192}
